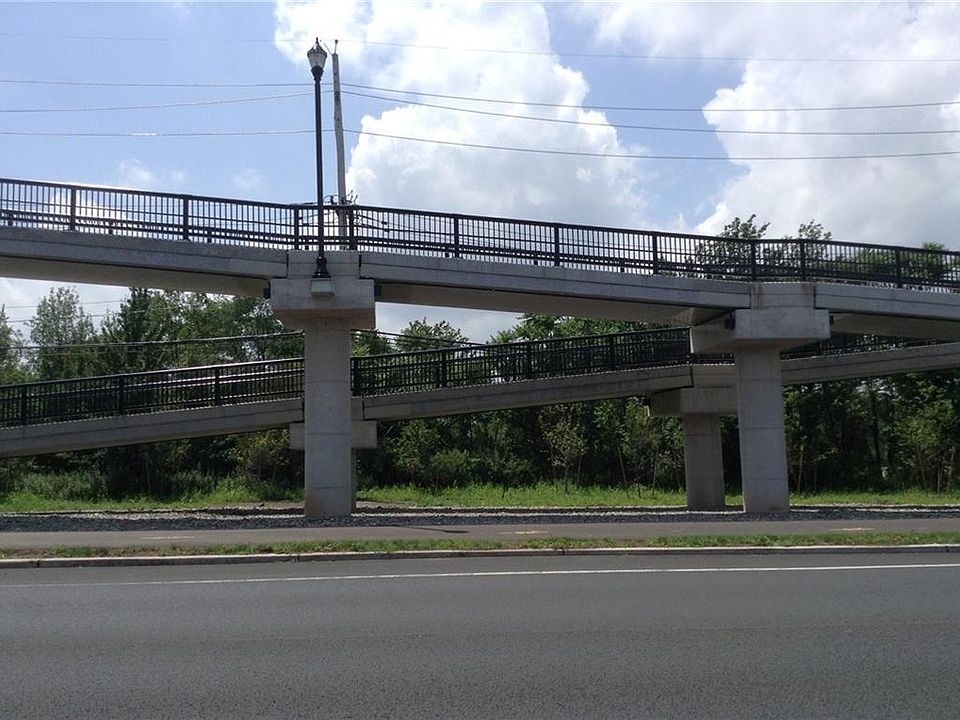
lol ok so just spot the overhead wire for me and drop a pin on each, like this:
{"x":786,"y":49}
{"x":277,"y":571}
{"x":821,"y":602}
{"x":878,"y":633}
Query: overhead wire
{"x":481,"y":146}
{"x":507,"y":51}
{"x":161,"y":106}
{"x":657,"y":128}
{"x":504,"y":101}
{"x":490,"y":113}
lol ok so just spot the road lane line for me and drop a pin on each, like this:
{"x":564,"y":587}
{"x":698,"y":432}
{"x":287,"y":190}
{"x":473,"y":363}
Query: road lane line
{"x":483,"y":574}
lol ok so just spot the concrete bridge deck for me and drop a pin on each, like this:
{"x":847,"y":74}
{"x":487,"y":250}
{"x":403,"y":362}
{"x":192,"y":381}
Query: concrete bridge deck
{"x":59,"y":232}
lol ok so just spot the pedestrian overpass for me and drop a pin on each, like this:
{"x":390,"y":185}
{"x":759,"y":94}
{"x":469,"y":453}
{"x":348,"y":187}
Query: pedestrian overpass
{"x":751,"y":299}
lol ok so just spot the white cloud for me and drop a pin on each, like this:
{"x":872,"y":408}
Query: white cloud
{"x":903,"y":201}
{"x":247,"y":180}
{"x":437,"y":177}
{"x":132,"y":173}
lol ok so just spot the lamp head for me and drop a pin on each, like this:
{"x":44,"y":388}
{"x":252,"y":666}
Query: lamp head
{"x":318,"y":58}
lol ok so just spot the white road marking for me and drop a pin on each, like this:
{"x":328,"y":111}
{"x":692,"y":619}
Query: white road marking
{"x":167,"y":537}
{"x":526,"y":532}
{"x":485,"y":574}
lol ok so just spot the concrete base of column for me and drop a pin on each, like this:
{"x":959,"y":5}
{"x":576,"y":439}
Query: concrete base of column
{"x":703,"y":462}
{"x":763,"y":446}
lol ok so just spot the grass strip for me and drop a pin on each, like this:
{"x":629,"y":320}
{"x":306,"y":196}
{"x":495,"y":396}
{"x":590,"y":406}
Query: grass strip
{"x":476,"y":496}
{"x":331,"y":546}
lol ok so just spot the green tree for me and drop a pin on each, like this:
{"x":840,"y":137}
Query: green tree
{"x":12,"y":368}
{"x":58,"y":327}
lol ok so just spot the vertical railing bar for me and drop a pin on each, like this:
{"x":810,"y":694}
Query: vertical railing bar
{"x":185,"y":201}
{"x":73,"y":209}
{"x":456,"y":236}
{"x":121,"y":395}
{"x":296,"y":228}
{"x":556,"y":245}
{"x":899,"y":261}
{"x":352,"y":227}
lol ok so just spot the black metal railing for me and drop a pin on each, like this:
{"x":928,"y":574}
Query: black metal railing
{"x":194,"y":218}
{"x":149,"y":392}
{"x":418,"y":371}
{"x":529,"y":360}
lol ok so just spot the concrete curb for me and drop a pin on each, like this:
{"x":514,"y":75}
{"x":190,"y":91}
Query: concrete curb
{"x":155,"y":560}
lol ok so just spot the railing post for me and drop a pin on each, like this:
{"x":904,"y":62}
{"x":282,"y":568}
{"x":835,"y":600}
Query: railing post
{"x":456,"y":237}
{"x":354,"y":377}
{"x":899,"y":259}
{"x":803,"y":260}
{"x":611,"y":356}
{"x":444,"y":359}
{"x":121,"y":396}
{"x":296,"y":228}
{"x":528,"y":362}
{"x":753,"y":259}
{"x":352,"y":228}
{"x":73,"y":209}
{"x":217,"y":397}
{"x":556,"y":245}
{"x":186,"y":219}
{"x":655,"y":250}
{"x":23,"y":404}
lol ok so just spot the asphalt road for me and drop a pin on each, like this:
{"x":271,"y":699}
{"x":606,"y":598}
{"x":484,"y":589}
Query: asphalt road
{"x":493,"y":531}
{"x":729,"y":637}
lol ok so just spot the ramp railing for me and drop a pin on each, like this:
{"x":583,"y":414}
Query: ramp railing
{"x":418,"y":371}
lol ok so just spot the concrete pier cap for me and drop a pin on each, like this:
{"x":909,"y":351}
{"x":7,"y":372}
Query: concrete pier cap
{"x":326,"y":315}
{"x":781,"y":315}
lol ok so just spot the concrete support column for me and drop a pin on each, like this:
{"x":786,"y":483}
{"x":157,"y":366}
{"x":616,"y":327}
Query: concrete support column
{"x":703,"y":462}
{"x":700,"y":408}
{"x":328,"y":473}
{"x":763,"y":447}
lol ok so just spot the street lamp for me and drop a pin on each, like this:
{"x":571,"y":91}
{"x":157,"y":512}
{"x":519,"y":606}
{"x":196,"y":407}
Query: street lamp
{"x":318,"y":57}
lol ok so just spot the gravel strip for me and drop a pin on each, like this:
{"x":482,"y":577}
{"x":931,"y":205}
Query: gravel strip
{"x":257,"y":518}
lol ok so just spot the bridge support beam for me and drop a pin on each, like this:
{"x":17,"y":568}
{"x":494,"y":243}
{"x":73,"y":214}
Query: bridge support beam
{"x":700,"y":410}
{"x":326,"y":310}
{"x":780,"y":316}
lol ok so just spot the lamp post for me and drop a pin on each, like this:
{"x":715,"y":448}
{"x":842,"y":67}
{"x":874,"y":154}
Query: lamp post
{"x":318,"y":57}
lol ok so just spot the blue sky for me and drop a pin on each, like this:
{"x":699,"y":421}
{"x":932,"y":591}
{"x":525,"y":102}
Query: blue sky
{"x":735,"y":65}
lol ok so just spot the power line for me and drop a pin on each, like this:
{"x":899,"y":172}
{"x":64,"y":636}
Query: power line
{"x":489,"y":113}
{"x":480,"y":146}
{"x":632,"y":156}
{"x":222,"y":340}
{"x":501,"y":101}
{"x":657,"y":128}
{"x":89,"y":302}
{"x":511,"y":51}
{"x":160,"y":106}
{"x":160,"y":134}
{"x":157,"y":343}
{"x":83,"y":83}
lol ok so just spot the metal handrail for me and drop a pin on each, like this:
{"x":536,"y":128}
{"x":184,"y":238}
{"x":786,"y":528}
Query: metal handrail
{"x":420,"y":370}
{"x":226,"y":221}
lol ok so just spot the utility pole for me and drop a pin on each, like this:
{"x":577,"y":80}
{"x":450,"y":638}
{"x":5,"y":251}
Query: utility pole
{"x":338,"y":128}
